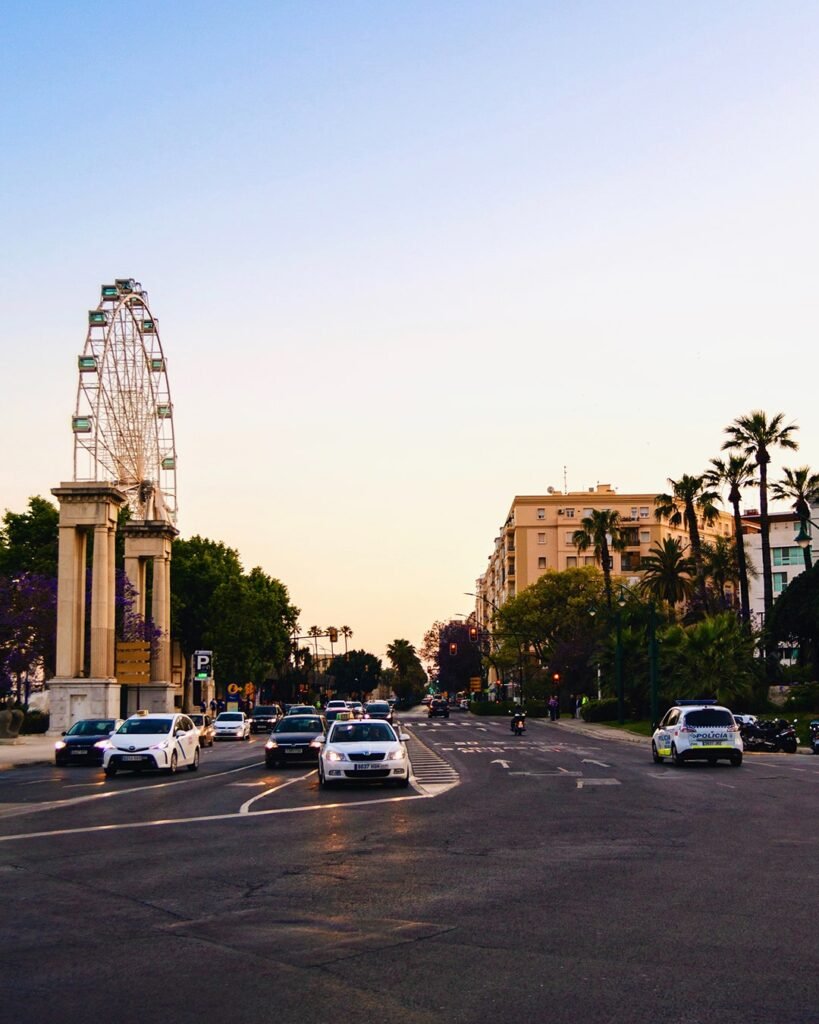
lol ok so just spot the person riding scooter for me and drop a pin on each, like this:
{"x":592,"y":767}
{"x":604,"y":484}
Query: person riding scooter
{"x":518,"y":722}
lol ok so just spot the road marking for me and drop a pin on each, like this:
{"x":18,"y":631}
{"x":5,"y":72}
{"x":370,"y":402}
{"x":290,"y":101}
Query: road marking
{"x":561,"y":773}
{"x":503,"y":764}
{"x":299,"y":778}
{"x":583,"y":783}
{"x":600,"y":764}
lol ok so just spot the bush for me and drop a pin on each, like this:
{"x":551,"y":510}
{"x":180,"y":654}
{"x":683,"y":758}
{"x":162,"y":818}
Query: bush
{"x":35,"y":723}
{"x":491,"y":707}
{"x":803,"y":697}
{"x":604,"y":710}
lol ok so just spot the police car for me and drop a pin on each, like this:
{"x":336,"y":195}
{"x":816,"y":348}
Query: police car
{"x":697,"y":730}
{"x":159,"y":741}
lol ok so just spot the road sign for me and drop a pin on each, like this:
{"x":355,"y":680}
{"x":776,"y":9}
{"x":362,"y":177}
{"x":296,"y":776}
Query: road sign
{"x":474,"y":683}
{"x":202,"y":664}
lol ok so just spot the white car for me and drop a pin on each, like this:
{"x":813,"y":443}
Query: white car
{"x":364,"y":750}
{"x":160,"y":741}
{"x":697,"y":730}
{"x":232,"y":725}
{"x":336,"y":705}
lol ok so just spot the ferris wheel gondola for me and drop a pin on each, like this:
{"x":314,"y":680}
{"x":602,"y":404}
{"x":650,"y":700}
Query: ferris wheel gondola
{"x":123,"y":419}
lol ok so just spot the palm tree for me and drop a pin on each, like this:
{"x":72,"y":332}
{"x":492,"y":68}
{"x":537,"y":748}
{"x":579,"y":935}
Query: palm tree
{"x":402,"y":654}
{"x":668,"y":573}
{"x":803,"y":487}
{"x":737,"y":472}
{"x":689,"y":496}
{"x":755,"y":436}
{"x":720,"y":566}
{"x":346,"y":632}
{"x":601,"y":532}
{"x":315,"y":632}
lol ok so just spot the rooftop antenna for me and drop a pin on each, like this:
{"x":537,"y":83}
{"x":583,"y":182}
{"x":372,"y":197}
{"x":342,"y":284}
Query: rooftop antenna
{"x":565,"y":487}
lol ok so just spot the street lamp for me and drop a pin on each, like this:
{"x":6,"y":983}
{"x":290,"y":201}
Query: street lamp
{"x":803,"y":539}
{"x":618,"y":656}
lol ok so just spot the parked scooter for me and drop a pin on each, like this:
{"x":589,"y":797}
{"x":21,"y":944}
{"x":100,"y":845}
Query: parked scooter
{"x":770,"y":736}
{"x":518,"y":723}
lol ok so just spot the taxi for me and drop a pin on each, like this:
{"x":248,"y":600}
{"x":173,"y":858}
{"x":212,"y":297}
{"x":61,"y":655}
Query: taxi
{"x":697,"y":730}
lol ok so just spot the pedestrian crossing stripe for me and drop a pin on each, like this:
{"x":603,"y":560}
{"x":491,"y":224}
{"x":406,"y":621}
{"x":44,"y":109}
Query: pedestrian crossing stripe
{"x":429,"y":768}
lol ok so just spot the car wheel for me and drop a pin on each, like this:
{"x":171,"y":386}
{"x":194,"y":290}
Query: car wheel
{"x":654,"y":755}
{"x":195,"y":766}
{"x":675,"y":756}
{"x":110,"y":771}
{"x":171,"y":769}
{"x":736,"y":759}
{"x":403,"y":783}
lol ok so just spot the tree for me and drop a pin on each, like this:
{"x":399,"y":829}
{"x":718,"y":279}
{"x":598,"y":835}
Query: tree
{"x":689,"y":499}
{"x":668,"y":573}
{"x":409,"y":675}
{"x":736,"y":472}
{"x":601,"y":531}
{"x":29,"y":540}
{"x":356,"y":672}
{"x":720,"y":568}
{"x":802,"y":487}
{"x":457,"y":659}
{"x":755,"y":435}
{"x":794,"y":617}
{"x":712,"y":658}
{"x":28,"y":629}
{"x":347,"y":633}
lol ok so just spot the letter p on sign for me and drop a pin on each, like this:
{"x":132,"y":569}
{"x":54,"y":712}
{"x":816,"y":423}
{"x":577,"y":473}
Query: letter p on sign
{"x":202,"y":662}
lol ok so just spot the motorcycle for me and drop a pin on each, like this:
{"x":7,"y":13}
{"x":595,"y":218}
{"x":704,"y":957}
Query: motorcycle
{"x":770,"y":736}
{"x":518,"y":723}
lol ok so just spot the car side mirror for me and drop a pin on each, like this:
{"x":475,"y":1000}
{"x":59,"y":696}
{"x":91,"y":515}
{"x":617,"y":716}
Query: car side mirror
{"x":63,"y":733}
{"x":320,"y":739}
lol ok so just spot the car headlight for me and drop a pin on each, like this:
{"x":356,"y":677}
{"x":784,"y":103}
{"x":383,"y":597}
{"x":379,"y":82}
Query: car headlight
{"x":102,"y":744}
{"x":395,"y":755}
{"x":60,"y":744}
{"x":335,"y":755}
{"x":160,"y":746}
{"x":239,"y":731}
{"x":271,"y":744}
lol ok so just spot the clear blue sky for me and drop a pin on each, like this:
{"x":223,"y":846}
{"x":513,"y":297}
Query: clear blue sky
{"x":410,"y":259}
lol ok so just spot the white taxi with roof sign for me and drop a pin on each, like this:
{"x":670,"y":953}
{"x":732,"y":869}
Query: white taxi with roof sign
{"x":697,"y":730}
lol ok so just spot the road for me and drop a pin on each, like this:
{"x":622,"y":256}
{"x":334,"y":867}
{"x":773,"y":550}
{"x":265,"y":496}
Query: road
{"x":548,"y":877}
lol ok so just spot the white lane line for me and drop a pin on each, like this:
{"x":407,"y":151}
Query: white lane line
{"x":232,"y":815}
{"x":54,"y":805}
{"x":299,"y":778}
{"x":600,"y":764}
{"x":583,"y":783}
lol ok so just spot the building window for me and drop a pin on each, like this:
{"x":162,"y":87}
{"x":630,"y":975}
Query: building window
{"x":541,"y":513}
{"x":645,"y":536}
{"x":541,"y":538}
{"x":570,"y":537}
{"x":541,"y":563}
{"x":633,"y":512}
{"x":587,"y":513}
{"x":571,"y":561}
{"x":644,"y":511}
{"x":569,"y":513}
{"x":588,"y":559}
{"x":788,"y":556}
{"x":780,"y":581}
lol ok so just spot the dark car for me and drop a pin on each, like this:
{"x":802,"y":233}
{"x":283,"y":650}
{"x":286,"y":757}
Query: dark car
{"x":264,"y":716}
{"x":293,"y":739}
{"x":379,"y":709}
{"x":81,"y":744}
{"x":438,"y":708}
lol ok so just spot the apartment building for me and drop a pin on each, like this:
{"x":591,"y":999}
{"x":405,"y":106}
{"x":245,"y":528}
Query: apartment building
{"x":787,"y":557}
{"x":537,"y":535}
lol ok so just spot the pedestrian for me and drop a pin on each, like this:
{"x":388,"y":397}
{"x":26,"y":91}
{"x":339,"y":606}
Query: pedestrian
{"x":213,"y":706}
{"x":578,"y":705}
{"x":553,"y":702}
{"x":203,"y":706}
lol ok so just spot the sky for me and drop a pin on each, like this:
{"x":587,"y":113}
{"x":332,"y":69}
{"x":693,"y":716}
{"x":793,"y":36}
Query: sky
{"x":410,"y":259}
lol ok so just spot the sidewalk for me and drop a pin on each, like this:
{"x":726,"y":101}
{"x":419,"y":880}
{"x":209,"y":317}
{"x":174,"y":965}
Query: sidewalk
{"x":593,"y":729}
{"x":27,"y":750}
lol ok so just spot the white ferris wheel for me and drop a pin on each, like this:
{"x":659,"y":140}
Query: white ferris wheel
{"x":123,"y":421}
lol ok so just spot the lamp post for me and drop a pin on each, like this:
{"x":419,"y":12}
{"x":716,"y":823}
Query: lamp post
{"x":618,"y":657}
{"x":652,"y":659}
{"x":803,"y":539}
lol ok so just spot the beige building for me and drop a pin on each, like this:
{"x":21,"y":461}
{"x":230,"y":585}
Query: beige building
{"x":537,"y":535}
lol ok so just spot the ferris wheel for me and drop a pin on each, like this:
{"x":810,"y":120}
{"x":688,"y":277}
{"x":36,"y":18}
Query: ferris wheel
{"x":123,"y":421}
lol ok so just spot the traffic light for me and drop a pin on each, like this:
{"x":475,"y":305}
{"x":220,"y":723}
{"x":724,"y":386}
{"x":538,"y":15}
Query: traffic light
{"x":453,"y":650}
{"x":473,"y":634}
{"x":556,"y":678}
{"x":332,"y":633}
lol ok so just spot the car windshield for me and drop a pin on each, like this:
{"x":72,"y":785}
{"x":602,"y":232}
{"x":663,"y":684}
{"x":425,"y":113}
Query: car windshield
{"x":362,"y":732}
{"x":709,"y":718}
{"x":378,"y":707}
{"x":146,"y":726}
{"x":91,"y":727}
{"x":264,"y":711}
{"x":299,"y":723}
{"x":197,"y":719}
{"x":230,"y":716}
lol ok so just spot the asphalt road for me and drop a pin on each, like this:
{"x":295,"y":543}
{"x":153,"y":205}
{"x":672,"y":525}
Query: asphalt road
{"x":549,"y":877}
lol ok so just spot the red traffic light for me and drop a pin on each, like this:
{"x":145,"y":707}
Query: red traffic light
{"x":453,"y":650}
{"x":473,"y":634}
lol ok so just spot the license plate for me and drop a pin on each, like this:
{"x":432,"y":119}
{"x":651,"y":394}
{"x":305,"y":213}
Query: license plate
{"x":78,"y":753}
{"x":370,"y":767}
{"x":132,"y":757}
{"x":294,"y":750}
{"x":711,"y":743}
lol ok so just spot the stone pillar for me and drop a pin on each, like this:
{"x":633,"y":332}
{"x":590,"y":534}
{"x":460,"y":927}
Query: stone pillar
{"x":85,"y":507}
{"x":151,"y":541}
